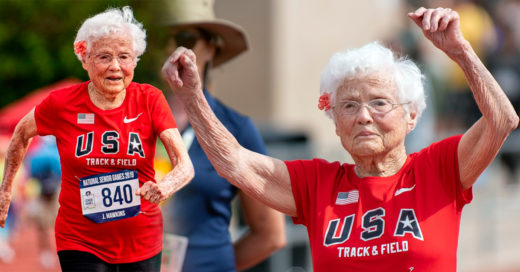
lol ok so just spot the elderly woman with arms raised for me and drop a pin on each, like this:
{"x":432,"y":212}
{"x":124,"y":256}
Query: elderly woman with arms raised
{"x":389,"y":210}
{"x":106,"y":131}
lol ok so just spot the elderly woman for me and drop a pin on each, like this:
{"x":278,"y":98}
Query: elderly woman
{"x":106,"y":131}
{"x":389,"y":210}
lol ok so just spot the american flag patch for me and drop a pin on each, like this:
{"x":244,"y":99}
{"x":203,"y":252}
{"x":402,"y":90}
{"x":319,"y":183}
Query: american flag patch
{"x":86,"y":118}
{"x":349,"y":197}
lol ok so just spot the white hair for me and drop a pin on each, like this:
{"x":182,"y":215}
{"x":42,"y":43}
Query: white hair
{"x":373,"y":58}
{"x":109,"y":22}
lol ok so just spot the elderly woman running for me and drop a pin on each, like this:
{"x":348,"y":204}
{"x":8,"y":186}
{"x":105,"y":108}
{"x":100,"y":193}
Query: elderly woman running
{"x":106,"y":131}
{"x":389,"y":210}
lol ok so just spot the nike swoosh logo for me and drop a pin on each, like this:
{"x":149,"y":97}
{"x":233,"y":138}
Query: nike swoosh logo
{"x":126,"y":120}
{"x":403,"y":190}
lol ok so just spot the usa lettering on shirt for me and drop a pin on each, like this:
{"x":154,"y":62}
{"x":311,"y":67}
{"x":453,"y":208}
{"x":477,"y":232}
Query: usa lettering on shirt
{"x":110,"y":144}
{"x":373,"y":222}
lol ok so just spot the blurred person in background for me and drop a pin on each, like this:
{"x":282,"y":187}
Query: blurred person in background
{"x":106,"y":131}
{"x":389,"y":210}
{"x":201,"y":211}
{"x":44,"y":167}
{"x":504,"y":64}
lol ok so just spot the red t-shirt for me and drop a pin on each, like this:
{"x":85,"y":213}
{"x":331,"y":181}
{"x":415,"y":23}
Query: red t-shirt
{"x":93,"y":141}
{"x":405,"y":222}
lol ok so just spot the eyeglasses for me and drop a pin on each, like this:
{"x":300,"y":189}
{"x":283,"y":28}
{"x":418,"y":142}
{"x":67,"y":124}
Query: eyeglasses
{"x":105,"y":59}
{"x":378,"y":106}
{"x":189,"y":37}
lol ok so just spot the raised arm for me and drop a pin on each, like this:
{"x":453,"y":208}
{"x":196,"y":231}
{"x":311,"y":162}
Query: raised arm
{"x":261,"y":177}
{"x":481,"y":143}
{"x":23,"y":133}
{"x":178,"y":177}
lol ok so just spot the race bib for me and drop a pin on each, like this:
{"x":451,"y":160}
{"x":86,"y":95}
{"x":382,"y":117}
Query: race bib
{"x":110,"y":196}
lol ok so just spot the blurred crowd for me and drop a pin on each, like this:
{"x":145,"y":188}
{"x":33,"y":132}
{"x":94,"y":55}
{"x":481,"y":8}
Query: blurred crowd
{"x":493,"y":29}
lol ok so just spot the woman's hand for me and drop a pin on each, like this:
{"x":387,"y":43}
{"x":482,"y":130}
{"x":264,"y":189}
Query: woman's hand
{"x":482,"y":141}
{"x":5,"y":200}
{"x":441,"y":26}
{"x":181,"y":73}
{"x":154,"y":192}
{"x":178,"y":177}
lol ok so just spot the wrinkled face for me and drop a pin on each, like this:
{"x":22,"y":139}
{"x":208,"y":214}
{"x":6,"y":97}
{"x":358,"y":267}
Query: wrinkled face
{"x":367,"y":132}
{"x":110,"y":63}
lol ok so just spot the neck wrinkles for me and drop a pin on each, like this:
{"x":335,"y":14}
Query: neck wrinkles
{"x":105,"y":101}
{"x":383,"y":165}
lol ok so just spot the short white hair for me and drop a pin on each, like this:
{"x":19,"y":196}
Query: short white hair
{"x":371,"y":59}
{"x":109,"y":22}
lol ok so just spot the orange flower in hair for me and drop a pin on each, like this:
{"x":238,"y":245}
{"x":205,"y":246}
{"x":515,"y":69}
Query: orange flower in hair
{"x":324,"y":102}
{"x":80,"y":48}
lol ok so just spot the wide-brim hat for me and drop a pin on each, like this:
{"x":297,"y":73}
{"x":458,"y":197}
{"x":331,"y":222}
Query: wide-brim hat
{"x":200,"y":14}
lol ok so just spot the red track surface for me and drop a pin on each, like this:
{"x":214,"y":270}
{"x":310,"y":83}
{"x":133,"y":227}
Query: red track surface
{"x":25,"y":244}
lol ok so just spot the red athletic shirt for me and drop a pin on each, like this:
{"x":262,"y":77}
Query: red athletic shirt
{"x":405,"y":222}
{"x":93,"y":141}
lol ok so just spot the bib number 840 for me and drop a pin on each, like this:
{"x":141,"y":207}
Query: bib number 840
{"x":126,"y":195}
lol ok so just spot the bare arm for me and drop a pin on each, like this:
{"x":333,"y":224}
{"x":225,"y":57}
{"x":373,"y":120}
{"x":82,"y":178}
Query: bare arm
{"x":481,"y":143}
{"x":266,"y":233}
{"x":23,"y":133}
{"x":178,"y":177}
{"x":261,"y":177}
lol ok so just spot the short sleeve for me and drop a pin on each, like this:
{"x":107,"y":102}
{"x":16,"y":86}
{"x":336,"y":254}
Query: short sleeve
{"x":444,"y":156}
{"x":162,"y":117}
{"x":298,"y":172}
{"x":312,"y":182}
{"x":45,"y":116}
